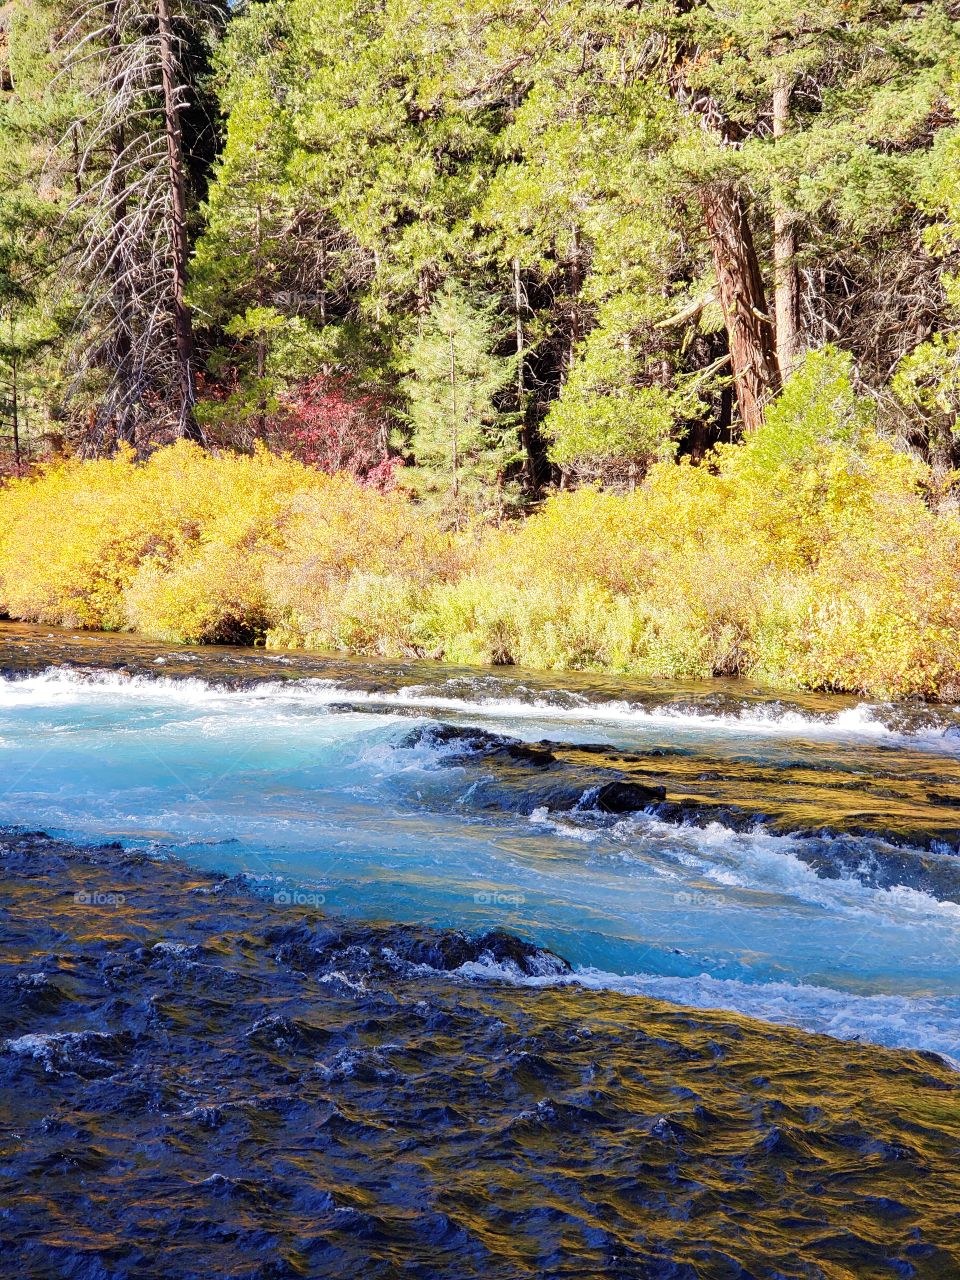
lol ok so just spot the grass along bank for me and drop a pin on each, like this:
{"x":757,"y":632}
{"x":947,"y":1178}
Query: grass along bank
{"x":809,"y":556}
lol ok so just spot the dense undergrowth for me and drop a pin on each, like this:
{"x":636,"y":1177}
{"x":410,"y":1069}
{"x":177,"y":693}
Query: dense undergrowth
{"x":812,"y":555}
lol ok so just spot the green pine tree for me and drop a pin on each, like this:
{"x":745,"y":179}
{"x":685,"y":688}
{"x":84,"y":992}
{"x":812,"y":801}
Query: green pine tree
{"x":463,"y":444}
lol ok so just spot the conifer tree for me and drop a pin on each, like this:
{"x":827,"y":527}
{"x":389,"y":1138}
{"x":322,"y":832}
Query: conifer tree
{"x":461,"y":440}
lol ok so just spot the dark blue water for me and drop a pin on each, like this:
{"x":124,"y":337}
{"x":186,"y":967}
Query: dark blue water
{"x":196,"y":1084}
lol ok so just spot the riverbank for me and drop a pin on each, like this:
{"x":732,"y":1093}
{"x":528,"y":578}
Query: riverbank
{"x":805,"y":562}
{"x":191,"y":1074}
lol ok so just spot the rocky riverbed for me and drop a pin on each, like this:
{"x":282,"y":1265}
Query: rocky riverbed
{"x":195,"y":1082}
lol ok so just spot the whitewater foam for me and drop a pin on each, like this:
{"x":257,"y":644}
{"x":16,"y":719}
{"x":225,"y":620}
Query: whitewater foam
{"x":754,"y":861}
{"x":59,"y":685}
{"x":779,"y":915}
{"x":897,"y":1022}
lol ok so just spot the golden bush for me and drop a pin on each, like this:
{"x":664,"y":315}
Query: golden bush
{"x":813,"y":561}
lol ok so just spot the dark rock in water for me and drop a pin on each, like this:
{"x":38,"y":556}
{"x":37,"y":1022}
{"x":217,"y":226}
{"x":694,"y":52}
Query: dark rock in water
{"x":368,"y":951}
{"x":308,"y":1096}
{"x":453,"y":950}
{"x":469,"y":742}
{"x":596,"y":780}
{"x":628,"y":797}
{"x":523,"y":776}
{"x":535,"y":753}
{"x":695,"y":813}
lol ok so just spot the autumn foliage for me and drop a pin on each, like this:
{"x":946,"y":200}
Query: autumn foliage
{"x":811,"y":556}
{"x":327,"y":424}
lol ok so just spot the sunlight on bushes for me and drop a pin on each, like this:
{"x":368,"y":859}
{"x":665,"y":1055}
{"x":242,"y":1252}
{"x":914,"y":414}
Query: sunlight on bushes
{"x":806,"y":557}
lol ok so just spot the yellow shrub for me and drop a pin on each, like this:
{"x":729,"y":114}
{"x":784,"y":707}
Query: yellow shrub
{"x":74,"y":536}
{"x":213,"y":597}
{"x":370,"y":613}
{"x":815,"y":563}
{"x":334,"y":531}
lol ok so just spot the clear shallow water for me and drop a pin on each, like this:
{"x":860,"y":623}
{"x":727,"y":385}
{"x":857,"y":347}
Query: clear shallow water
{"x":314,"y":787}
{"x":187,"y":1072}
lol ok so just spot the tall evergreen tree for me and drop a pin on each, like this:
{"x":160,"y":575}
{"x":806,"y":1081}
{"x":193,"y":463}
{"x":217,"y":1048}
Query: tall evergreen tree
{"x":461,"y":439}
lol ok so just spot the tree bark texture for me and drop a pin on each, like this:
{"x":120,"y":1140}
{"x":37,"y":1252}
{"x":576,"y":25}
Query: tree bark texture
{"x":753,"y":357}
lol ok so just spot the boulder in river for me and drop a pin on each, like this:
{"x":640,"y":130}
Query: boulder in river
{"x":626,"y":796}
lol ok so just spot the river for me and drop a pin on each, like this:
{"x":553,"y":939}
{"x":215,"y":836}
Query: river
{"x":800,"y":864}
{"x":330,"y":968}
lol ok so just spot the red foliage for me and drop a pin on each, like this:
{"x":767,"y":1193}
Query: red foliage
{"x":10,"y":469}
{"x":328,"y":424}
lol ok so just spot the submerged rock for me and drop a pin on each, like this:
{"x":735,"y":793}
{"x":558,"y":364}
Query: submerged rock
{"x":362,"y":952}
{"x":524,"y":776}
{"x":467,"y":743}
{"x":869,"y":829}
{"x":323,"y":1098}
{"x":628,"y":797}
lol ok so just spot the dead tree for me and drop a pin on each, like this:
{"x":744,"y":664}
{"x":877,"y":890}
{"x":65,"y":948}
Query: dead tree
{"x":126,"y":227}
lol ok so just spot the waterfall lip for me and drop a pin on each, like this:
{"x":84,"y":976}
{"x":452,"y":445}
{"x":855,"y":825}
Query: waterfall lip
{"x":728,"y":706}
{"x":328,"y":696}
{"x":933,"y":729}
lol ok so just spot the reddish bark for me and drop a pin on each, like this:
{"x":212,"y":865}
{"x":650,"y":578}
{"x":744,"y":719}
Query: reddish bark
{"x":753,"y":358}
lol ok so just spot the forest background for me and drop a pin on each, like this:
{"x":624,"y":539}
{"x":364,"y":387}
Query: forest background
{"x":676,"y":282}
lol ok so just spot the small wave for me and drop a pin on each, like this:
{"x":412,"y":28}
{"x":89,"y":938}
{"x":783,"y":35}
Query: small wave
{"x":62,"y":1052}
{"x":542,"y":817}
{"x":759,"y":860}
{"x":896,"y":1022}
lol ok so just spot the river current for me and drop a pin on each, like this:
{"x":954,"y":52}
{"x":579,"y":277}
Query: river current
{"x":330,"y":968}
{"x":792,"y":858}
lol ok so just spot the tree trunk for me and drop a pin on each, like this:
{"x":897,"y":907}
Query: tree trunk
{"x":525,"y":440}
{"x":785,"y":274}
{"x":126,"y":427}
{"x":75,"y":141}
{"x":183,"y":320}
{"x":753,"y":358}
